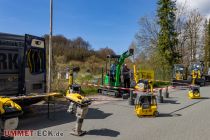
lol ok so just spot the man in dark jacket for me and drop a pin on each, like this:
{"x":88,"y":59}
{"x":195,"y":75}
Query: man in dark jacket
{"x":126,"y":76}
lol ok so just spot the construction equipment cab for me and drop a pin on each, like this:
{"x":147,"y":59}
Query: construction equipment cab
{"x":179,"y":75}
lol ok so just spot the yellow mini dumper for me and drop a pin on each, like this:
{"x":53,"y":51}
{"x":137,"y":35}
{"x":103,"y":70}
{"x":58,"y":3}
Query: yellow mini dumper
{"x":146,"y":105}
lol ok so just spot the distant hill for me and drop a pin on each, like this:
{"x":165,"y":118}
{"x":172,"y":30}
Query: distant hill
{"x":76,"y":49}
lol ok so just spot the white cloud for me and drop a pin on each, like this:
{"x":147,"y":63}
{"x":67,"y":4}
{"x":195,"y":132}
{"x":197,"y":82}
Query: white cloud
{"x":203,"y":6}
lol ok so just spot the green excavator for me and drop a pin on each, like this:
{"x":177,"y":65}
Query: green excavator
{"x":112,"y":79}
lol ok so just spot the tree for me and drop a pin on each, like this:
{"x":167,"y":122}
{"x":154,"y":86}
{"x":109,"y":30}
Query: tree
{"x":77,"y":49}
{"x":167,"y":38}
{"x":148,"y":34}
{"x":181,"y":19}
{"x":207,"y":44}
{"x":103,"y":52}
{"x":193,"y":30}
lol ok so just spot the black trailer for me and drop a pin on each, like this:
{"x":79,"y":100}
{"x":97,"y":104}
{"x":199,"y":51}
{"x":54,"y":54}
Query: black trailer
{"x":22,"y":67}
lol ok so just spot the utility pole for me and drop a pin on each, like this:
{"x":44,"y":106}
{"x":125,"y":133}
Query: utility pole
{"x":50,"y":47}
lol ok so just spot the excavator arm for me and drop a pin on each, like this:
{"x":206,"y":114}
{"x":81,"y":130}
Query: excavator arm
{"x":120,"y":63}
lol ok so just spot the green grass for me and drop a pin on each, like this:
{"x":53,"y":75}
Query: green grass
{"x":89,"y":91}
{"x":158,"y":84}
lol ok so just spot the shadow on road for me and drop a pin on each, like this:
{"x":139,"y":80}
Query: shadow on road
{"x":168,"y":115}
{"x":95,"y":113}
{"x":170,"y":101}
{"x":104,"y":132}
{"x":182,"y":108}
{"x":204,"y":98}
{"x":40,"y":121}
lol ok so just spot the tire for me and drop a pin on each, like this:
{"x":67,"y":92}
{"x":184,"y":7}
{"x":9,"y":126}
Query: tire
{"x":189,"y":79}
{"x":99,"y":91}
{"x":156,"y":114}
{"x":202,"y":84}
{"x":125,"y":96}
{"x":117,"y":95}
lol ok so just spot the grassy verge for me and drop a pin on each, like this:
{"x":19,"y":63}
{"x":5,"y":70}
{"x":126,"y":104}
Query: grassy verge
{"x":158,"y":84}
{"x":89,"y":91}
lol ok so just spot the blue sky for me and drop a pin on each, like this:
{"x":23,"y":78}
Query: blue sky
{"x":102,"y":23}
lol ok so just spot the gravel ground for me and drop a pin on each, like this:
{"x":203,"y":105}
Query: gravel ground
{"x":180,"y":119}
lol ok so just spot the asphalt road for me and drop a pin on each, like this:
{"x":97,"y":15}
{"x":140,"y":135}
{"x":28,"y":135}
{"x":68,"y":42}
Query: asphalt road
{"x":180,"y":119}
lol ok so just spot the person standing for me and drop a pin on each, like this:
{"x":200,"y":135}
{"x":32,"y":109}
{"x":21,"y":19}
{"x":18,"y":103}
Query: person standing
{"x":126,"y":76}
{"x":113,"y":72}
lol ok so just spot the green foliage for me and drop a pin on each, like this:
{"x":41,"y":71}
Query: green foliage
{"x":167,"y":38}
{"x":77,"y":49}
{"x":75,"y":52}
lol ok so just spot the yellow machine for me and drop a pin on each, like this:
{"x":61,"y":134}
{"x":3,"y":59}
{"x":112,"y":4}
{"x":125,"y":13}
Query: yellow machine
{"x":9,"y":112}
{"x":7,"y":105}
{"x":196,"y":70}
{"x":194,"y":91}
{"x":144,"y":85}
{"x":78,"y":99}
{"x":136,"y":76}
{"x":78,"y":103}
{"x":73,"y":92}
{"x":196,"y":74}
{"x":143,"y":79}
{"x":179,"y":76}
{"x":146,"y":105}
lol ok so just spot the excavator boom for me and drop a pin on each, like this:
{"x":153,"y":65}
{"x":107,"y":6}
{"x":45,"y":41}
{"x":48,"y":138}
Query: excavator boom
{"x":120,"y":63}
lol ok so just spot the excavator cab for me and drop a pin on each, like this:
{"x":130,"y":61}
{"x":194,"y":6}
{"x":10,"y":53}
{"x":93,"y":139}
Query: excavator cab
{"x":179,"y":72}
{"x":179,"y":75}
{"x":146,"y":105}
